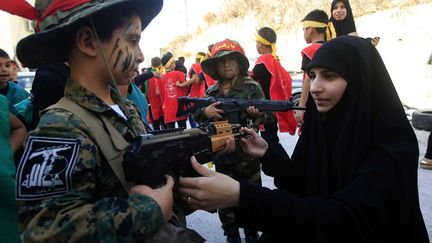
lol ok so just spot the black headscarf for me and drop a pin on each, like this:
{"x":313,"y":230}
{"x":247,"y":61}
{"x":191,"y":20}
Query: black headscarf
{"x":368,"y":115}
{"x":353,"y":172}
{"x":345,"y":26}
{"x":363,"y":152}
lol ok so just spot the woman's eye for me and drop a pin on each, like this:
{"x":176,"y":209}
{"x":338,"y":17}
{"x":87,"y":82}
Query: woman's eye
{"x":329,"y":76}
{"x":134,"y":40}
{"x":312,"y":76}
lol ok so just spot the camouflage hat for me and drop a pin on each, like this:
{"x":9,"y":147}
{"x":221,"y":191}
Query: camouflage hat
{"x":44,"y":47}
{"x":222,"y":49}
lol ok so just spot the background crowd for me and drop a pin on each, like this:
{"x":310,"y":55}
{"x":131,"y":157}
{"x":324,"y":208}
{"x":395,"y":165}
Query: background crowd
{"x":339,"y":165}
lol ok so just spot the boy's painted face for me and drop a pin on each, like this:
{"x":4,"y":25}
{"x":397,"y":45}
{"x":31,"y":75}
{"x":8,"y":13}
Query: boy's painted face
{"x":228,"y":68}
{"x":123,"y":51}
{"x":5,"y":69}
{"x":339,"y":11}
{"x":326,"y":88}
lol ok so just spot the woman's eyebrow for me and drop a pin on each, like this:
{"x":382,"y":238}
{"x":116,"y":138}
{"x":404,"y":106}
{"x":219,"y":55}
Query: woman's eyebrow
{"x":326,"y":71}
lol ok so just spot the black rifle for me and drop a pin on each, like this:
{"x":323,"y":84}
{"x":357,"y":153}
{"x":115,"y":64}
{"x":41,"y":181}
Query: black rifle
{"x":233,"y":107}
{"x":153,"y":155}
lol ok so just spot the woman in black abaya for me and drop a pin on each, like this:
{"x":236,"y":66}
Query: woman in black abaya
{"x":342,"y":22}
{"x":341,"y":19}
{"x":353,"y":174}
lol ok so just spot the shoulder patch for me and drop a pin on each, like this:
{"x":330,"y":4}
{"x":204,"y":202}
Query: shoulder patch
{"x":46,"y":167}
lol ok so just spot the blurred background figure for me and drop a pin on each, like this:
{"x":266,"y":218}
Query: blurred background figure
{"x":179,"y":65}
{"x":426,"y":162}
{"x":13,"y":92}
{"x":12,"y":134}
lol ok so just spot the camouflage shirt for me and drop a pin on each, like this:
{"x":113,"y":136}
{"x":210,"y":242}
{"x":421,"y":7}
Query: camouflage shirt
{"x":67,"y":191}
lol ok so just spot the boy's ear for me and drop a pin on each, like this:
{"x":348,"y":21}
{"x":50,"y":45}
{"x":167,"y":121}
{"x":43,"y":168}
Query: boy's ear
{"x":86,"y":42}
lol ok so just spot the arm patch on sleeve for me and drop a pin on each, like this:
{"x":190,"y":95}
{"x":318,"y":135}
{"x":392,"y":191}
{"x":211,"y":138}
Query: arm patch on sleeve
{"x":46,"y":167}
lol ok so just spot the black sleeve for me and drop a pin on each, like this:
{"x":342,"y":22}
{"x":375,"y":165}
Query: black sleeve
{"x":140,"y":79}
{"x":355,"y":213}
{"x":47,"y":88}
{"x":201,"y":76}
{"x":263,"y":77}
{"x":275,"y":160}
{"x":305,"y":63}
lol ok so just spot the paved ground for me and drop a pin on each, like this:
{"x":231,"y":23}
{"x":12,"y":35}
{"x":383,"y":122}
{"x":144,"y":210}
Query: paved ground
{"x":208,"y":225}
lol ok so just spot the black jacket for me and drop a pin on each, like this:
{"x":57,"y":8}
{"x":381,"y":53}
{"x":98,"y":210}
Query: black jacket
{"x":48,"y":88}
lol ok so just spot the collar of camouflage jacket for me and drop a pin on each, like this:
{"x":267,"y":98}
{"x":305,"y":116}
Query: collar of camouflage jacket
{"x":239,"y":85}
{"x":86,"y":98}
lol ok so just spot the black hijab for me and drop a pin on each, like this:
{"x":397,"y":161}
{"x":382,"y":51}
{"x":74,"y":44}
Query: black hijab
{"x":345,"y":26}
{"x":334,"y":145}
{"x":363,"y":152}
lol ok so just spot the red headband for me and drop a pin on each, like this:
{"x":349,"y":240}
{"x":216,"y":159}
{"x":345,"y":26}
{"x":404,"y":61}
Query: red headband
{"x":226,"y":45}
{"x":62,"y":5}
{"x":23,"y":9}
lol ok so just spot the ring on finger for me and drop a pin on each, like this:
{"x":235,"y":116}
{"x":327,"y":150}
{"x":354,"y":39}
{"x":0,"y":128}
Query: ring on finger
{"x":188,"y":200}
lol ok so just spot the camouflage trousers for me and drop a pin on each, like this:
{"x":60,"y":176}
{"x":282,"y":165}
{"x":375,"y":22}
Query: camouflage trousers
{"x":175,"y":230}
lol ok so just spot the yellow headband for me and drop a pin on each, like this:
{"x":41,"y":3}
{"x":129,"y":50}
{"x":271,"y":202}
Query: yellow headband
{"x":261,"y":39}
{"x":169,"y":62}
{"x":200,"y":57}
{"x":314,"y":24}
{"x":159,"y":69}
{"x":330,"y":32}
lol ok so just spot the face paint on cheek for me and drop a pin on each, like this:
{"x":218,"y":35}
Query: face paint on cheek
{"x":116,"y":46}
{"x":127,"y":63}
{"x":128,"y":58}
{"x":119,"y":54}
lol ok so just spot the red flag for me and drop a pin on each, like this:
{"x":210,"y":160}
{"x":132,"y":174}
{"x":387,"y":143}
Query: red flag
{"x":19,"y":7}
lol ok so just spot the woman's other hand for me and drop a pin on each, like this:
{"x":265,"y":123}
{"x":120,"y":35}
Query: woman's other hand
{"x":211,"y":191}
{"x":253,"y":144}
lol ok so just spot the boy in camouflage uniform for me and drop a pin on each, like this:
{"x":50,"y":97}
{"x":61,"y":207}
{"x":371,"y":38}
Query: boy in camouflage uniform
{"x":70,"y":184}
{"x":229,"y":66}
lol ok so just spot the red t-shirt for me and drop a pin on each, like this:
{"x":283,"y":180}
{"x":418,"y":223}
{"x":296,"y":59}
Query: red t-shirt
{"x":169,"y":94}
{"x":197,"y":89}
{"x":154,"y":99}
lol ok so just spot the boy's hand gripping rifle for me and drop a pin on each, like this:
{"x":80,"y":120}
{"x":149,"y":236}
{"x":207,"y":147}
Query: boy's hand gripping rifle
{"x":151,"y":156}
{"x":233,"y":107}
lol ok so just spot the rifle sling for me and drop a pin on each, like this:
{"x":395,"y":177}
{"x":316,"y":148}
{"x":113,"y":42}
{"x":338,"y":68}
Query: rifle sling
{"x":110,"y":142}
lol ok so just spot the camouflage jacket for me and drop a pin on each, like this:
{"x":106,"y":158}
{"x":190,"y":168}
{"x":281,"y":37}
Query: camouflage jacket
{"x":67,"y":191}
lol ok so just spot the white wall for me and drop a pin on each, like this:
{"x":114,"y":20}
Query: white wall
{"x":5,"y":36}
